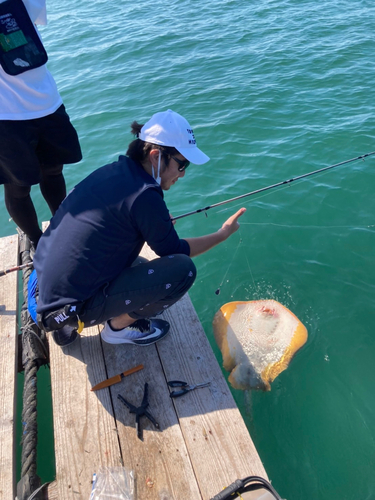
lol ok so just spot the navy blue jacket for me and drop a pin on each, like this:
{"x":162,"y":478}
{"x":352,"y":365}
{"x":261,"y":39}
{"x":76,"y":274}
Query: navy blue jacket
{"x":98,"y":230}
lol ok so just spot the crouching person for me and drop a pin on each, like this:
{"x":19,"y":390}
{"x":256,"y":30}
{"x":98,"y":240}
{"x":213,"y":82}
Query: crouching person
{"x":87,"y":266}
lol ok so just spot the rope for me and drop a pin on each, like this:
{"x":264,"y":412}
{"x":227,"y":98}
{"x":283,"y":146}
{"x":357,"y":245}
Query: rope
{"x":34,"y":355}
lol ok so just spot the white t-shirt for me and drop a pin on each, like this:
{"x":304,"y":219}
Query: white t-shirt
{"x":32,"y":94}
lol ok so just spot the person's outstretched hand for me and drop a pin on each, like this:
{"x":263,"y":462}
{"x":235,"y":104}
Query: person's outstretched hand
{"x":231,"y":225}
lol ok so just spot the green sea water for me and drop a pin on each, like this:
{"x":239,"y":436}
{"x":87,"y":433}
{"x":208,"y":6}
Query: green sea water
{"x":273,"y":89}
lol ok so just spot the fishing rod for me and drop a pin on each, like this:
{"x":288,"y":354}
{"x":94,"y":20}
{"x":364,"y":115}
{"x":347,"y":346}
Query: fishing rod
{"x":362,"y":157}
{"x":16,"y":268}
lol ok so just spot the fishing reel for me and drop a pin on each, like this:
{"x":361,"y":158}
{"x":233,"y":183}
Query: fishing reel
{"x":250,"y":488}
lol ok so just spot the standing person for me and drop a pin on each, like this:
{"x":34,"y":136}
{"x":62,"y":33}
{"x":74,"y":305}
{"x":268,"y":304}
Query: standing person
{"x":85,"y":260}
{"x":36,"y":136}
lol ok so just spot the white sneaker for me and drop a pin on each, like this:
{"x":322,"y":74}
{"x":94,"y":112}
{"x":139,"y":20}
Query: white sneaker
{"x":141,"y":332}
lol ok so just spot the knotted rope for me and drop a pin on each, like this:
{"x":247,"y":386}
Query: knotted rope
{"x":34,"y":354}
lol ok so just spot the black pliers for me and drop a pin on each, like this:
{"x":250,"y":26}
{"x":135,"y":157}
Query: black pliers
{"x":140,"y":411}
{"x":184,"y":387}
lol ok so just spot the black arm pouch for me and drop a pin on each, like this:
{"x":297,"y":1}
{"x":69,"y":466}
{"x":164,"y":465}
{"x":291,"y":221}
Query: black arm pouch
{"x":67,"y":315}
{"x":20,"y":46}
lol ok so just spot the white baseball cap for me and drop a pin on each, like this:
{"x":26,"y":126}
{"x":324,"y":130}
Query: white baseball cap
{"x":168,"y":128}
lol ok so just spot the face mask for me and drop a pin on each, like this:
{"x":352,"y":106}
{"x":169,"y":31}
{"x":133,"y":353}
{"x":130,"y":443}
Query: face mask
{"x":158,"y":178}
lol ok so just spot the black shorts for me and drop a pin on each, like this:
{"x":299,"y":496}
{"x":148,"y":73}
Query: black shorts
{"x":29,"y":146}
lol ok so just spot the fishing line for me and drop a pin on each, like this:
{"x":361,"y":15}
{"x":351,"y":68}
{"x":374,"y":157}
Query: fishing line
{"x":222,"y":281}
{"x":278,"y":184}
{"x":304,"y":227}
{"x":281,"y":188}
{"x":248,"y":265}
{"x":234,"y":255}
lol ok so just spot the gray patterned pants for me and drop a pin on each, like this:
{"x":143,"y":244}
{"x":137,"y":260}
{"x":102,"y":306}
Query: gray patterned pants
{"x":142,"y":291}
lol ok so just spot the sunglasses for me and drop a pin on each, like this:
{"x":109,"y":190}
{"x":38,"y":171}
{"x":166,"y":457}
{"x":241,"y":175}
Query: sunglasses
{"x":182,"y":164}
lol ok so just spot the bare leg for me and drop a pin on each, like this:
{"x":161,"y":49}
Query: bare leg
{"x":121,"y":321}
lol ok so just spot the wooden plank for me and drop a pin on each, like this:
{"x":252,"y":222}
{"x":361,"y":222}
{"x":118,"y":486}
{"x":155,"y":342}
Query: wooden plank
{"x":218,"y":442}
{"x":202,"y":445}
{"x":160,"y":462}
{"x":8,"y":366}
{"x":84,"y":428}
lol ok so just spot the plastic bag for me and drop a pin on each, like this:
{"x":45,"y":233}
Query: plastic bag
{"x":113,"y":483}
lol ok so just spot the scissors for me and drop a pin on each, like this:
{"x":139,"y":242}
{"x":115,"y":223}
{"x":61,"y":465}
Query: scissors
{"x":185,"y":388}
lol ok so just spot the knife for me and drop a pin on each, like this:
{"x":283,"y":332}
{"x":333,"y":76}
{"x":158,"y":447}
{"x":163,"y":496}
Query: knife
{"x":116,"y":378}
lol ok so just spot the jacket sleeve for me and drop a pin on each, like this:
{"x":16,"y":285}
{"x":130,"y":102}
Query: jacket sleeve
{"x":151,"y":218}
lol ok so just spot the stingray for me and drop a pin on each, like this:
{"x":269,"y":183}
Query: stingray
{"x":257,"y":340}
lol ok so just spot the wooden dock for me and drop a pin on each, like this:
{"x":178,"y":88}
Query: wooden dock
{"x":202,"y":444}
{"x":8,"y":367}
